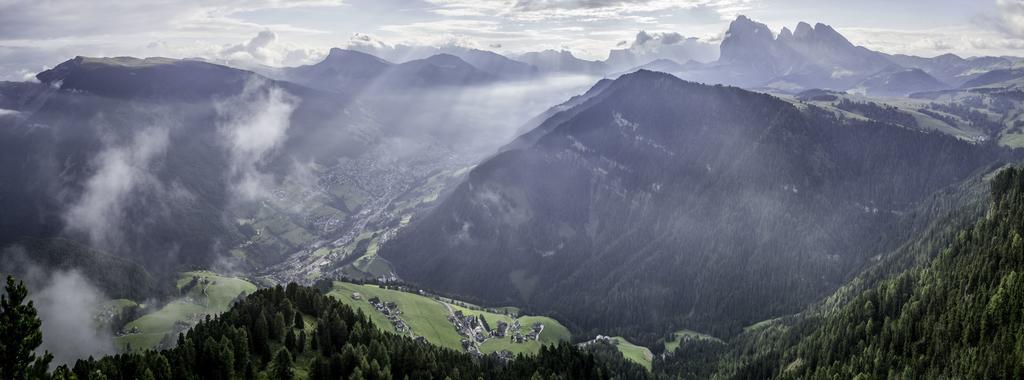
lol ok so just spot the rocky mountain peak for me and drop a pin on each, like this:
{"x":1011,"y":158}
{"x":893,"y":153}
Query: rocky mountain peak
{"x":744,"y":26}
{"x":803,"y":31}
{"x":785,"y":34}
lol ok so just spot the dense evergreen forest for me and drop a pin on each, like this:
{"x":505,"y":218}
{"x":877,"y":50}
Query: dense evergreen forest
{"x":291,"y":332}
{"x":960,"y":315}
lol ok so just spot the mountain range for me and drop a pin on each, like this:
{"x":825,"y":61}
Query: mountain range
{"x":794,"y":206}
{"x":168,"y":161}
{"x":664,"y":193}
{"x":820,"y":57}
{"x":750,"y":55}
{"x":144,"y":157}
{"x":348,"y":70}
{"x":562,"y":61}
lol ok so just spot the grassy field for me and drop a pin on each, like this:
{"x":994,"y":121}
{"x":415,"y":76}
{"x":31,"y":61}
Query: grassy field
{"x":760,"y":325}
{"x":637,"y":354}
{"x":373,"y":266}
{"x":553,"y":332}
{"x":912,"y":107}
{"x":119,"y":304}
{"x":677,"y":337}
{"x":368,"y":265}
{"x":1012,"y":140}
{"x":428,"y":317}
{"x":212,"y":297}
{"x":154,"y":326}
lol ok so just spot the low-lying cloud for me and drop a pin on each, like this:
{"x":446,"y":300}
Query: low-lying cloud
{"x":66,"y":304}
{"x":120,"y":172}
{"x":477,"y":120}
{"x":252,"y":126}
{"x":649,"y":46}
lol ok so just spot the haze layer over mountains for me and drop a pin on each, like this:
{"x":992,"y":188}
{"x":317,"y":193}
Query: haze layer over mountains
{"x":726,"y":208}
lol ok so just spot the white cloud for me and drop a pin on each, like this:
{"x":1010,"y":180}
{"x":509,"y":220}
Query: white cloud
{"x":256,"y":47}
{"x":306,"y":29}
{"x":1008,"y":19}
{"x":589,"y":28}
{"x":447,"y":26}
{"x":264,"y":49}
{"x":21,"y":19}
{"x":648,"y":46}
{"x":963,"y":40}
{"x":66,"y":307}
{"x":39,"y":34}
{"x":253,"y":125}
{"x":120,"y":171}
{"x":538,"y":10}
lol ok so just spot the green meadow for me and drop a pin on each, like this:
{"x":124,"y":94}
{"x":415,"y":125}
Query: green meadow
{"x":428,"y":317}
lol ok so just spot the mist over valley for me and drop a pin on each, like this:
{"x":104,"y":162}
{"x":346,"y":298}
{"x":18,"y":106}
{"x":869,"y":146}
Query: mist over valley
{"x":721,"y":192}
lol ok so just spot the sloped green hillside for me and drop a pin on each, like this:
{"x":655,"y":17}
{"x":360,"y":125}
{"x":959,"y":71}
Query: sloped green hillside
{"x":960,"y":315}
{"x":297,"y":332}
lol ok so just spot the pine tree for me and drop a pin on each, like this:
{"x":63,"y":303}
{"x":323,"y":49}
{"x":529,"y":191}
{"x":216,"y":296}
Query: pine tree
{"x":277,"y":327}
{"x":357,"y":375}
{"x":62,"y":372}
{"x":289,"y":339}
{"x":261,"y":336}
{"x":20,"y":335}
{"x":283,"y":365}
{"x":160,"y":365}
{"x":288,"y":312}
{"x":226,"y":357}
{"x":316,"y":369}
{"x":240,"y":343}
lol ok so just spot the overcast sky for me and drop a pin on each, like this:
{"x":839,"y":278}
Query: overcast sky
{"x":36,"y":34}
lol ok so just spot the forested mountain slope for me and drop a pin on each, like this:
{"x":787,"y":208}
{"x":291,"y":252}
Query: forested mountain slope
{"x":142,"y":158}
{"x":961,"y":316}
{"x":664,"y":204}
{"x":179,"y":164}
{"x":957,"y":313}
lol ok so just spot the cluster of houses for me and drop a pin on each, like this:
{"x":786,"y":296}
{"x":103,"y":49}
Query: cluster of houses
{"x":533,"y":334}
{"x":470,"y":326}
{"x":603,"y":339}
{"x":504,"y":355}
{"x":132,"y":330}
{"x":389,"y":309}
{"x":500,"y":331}
{"x":600,"y":339}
